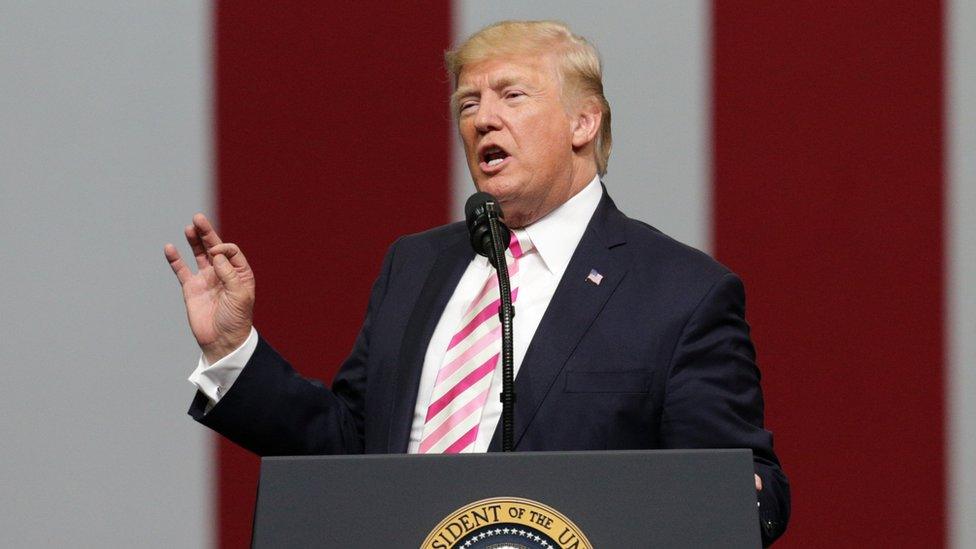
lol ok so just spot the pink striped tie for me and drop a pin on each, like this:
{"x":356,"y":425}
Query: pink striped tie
{"x":464,"y":379}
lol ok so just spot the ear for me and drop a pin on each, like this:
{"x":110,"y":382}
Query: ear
{"x":586,"y":123}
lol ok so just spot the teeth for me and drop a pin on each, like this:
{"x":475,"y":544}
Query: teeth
{"x":495,"y":161}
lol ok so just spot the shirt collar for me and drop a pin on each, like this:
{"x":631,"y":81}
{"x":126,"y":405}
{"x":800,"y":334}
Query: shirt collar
{"x":556,"y":235}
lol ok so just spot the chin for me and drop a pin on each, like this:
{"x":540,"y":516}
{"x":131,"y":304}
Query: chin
{"x":498,"y":186}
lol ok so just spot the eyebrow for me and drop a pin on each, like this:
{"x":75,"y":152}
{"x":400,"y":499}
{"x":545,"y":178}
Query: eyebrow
{"x":466,"y":91}
{"x":502,"y":81}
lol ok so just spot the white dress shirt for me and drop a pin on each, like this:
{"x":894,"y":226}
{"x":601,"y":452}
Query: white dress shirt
{"x":554,"y":239}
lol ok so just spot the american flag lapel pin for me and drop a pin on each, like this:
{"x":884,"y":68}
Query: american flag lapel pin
{"x":594,"y":277}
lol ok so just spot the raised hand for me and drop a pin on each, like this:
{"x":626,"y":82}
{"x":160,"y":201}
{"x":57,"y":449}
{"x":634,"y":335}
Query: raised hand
{"x":219,"y":297}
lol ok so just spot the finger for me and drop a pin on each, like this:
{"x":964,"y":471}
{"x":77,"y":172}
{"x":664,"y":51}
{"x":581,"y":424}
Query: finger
{"x":176,"y":263}
{"x":205,"y":231}
{"x":232,"y":253}
{"x":199,"y":253}
{"x":758,"y":483}
{"x":226,"y":273}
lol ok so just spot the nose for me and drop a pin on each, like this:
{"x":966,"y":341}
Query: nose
{"x":487,"y":119}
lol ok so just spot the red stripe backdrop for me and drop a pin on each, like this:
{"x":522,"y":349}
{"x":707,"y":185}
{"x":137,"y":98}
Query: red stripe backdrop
{"x":828,"y":200}
{"x":332,"y":140}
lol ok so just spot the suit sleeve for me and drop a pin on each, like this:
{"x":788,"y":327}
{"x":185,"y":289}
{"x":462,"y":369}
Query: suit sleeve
{"x":273,"y":410}
{"x":713,"y":398}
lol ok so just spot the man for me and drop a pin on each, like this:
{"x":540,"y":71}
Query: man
{"x":624,"y":338}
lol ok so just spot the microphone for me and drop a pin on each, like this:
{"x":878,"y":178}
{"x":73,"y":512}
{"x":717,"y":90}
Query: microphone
{"x":477,"y":211}
{"x":490,"y":237}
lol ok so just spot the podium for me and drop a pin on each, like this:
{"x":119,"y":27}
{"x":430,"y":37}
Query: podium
{"x":659,"y":498}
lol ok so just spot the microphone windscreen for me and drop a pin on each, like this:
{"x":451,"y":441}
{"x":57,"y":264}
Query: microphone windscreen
{"x":475,"y":206}
{"x":476,"y":217}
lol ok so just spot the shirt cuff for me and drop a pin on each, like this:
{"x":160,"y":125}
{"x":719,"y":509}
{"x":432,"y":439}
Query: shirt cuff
{"x":214,"y":380}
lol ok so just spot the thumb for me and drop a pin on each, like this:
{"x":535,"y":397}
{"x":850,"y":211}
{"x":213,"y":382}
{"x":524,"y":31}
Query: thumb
{"x":226,"y":272}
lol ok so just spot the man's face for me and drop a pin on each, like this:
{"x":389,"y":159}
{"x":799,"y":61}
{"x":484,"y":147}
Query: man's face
{"x":517,"y":135}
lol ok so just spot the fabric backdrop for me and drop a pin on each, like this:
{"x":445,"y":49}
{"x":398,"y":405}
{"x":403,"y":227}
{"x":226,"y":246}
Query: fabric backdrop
{"x":824,"y":151}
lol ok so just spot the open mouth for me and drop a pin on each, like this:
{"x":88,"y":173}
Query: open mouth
{"x":493,"y":159}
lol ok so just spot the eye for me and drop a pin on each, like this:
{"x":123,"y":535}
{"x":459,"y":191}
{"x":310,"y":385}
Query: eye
{"x":467,"y":106}
{"x":513,"y":94}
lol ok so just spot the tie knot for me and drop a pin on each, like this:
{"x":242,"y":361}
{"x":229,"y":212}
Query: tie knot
{"x":520,"y":244}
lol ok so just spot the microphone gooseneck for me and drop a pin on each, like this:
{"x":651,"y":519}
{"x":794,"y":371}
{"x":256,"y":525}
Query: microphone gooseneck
{"x":490,"y":237}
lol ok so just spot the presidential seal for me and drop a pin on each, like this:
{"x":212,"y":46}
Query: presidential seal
{"x":506,"y":523}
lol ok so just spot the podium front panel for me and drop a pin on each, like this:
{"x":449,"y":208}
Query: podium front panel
{"x":662,"y":498}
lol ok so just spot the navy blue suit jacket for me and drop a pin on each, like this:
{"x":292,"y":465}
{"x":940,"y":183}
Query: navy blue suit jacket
{"x":657,"y":355}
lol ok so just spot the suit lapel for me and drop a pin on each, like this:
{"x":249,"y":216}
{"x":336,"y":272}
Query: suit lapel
{"x":441,"y":281}
{"x":573,"y":308}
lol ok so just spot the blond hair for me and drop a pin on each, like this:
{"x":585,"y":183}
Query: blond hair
{"x":577,"y":60}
